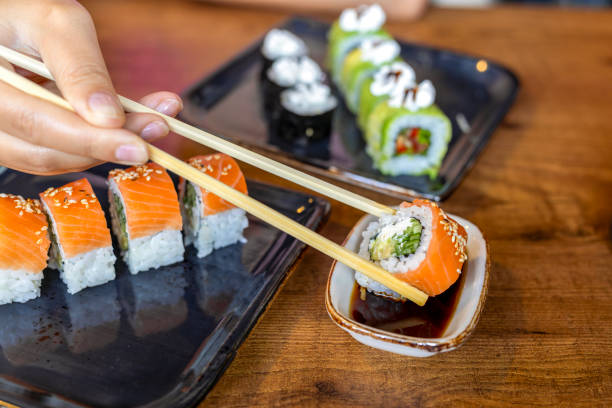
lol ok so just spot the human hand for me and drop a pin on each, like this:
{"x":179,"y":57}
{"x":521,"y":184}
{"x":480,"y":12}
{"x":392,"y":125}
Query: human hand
{"x":41,"y":138}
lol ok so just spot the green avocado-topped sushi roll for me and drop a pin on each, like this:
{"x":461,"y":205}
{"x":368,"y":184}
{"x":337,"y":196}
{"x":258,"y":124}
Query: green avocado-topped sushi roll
{"x":361,"y":63}
{"x":353,"y":26}
{"x":377,"y":88}
{"x":408,"y":134}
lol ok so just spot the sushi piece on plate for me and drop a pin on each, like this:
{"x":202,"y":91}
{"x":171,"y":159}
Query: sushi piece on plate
{"x":306,"y":112}
{"x":280,"y":43}
{"x":211,"y":222}
{"x":285,"y":73}
{"x":351,"y":29}
{"x":146,"y":218}
{"x":81,"y":246}
{"x":420,"y":244}
{"x":362,"y":63}
{"x":24,"y":244}
{"x":408,"y":134}
{"x":377,"y":88}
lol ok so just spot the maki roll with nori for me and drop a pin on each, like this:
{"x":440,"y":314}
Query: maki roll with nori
{"x":285,"y":73}
{"x":361,"y":63}
{"x":377,"y":89}
{"x":281,"y":43}
{"x":408,"y":134}
{"x":351,"y":29}
{"x":306,"y":112}
{"x":420,"y":244}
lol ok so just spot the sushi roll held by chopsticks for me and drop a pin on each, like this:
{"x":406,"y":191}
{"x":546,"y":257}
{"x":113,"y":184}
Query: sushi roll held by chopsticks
{"x":146,"y":218}
{"x":420,"y":244}
{"x":24,"y":244}
{"x":211,"y":222}
{"x":81,"y":245}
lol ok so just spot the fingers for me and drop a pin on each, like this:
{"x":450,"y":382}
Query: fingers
{"x":150,"y":126}
{"x":41,"y":123}
{"x":68,"y":45}
{"x":168,"y":103}
{"x":23,"y":156}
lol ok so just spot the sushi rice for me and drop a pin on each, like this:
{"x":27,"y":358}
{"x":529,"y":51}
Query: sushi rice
{"x":391,"y":224}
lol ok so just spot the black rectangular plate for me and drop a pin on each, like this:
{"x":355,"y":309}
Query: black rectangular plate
{"x":227,"y":103}
{"x":160,"y":338}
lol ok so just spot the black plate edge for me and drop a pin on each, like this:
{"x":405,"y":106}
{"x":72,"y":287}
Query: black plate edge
{"x":389,"y":189}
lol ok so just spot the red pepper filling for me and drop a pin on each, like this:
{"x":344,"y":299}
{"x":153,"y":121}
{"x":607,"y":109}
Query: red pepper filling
{"x":408,"y":141}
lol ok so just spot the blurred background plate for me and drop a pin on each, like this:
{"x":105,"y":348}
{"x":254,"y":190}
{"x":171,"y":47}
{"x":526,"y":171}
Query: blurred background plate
{"x":474,"y":93}
{"x":159,"y":338}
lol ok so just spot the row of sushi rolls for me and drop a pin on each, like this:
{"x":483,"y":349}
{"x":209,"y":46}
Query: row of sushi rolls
{"x":66,"y":228}
{"x":405,"y":132}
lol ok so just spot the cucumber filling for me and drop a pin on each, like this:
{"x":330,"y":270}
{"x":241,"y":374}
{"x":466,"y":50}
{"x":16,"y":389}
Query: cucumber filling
{"x":55,"y":252}
{"x":189,"y":200}
{"x":412,"y":141}
{"x":123,"y":237}
{"x":397,"y":240}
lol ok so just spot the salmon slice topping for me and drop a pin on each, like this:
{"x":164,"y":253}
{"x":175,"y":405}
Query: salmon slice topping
{"x":225,"y":169}
{"x":149,"y":199}
{"x":79,"y":219}
{"x":24,"y":241}
{"x":446,"y":254}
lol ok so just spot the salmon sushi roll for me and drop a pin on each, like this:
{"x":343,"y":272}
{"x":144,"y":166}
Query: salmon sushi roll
{"x":24,"y":244}
{"x":211,"y":222}
{"x":81,"y":246}
{"x":419,"y":244}
{"x":146,"y":218}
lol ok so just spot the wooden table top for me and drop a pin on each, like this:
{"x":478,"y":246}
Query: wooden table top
{"x":541,"y":192}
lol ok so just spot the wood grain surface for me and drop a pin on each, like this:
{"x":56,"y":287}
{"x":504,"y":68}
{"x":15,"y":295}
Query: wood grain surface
{"x":541,"y":192}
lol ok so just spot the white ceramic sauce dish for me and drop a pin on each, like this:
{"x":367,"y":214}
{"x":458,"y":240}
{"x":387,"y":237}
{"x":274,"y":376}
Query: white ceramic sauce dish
{"x":462,"y":322}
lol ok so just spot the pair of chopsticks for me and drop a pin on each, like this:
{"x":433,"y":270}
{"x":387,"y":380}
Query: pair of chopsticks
{"x":227,"y":193}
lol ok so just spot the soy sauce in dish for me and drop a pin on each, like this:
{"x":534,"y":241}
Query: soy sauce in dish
{"x":409,"y":319}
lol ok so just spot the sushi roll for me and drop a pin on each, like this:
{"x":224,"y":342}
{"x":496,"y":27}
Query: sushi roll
{"x":408,"y":134}
{"x":351,"y":29}
{"x":146,"y":218}
{"x":362,"y":63}
{"x":377,"y":88}
{"x":306,"y":112}
{"x":285,"y":73}
{"x":419,"y":244}
{"x":281,"y":43}
{"x":211,"y":222}
{"x":81,"y":246}
{"x":24,"y":244}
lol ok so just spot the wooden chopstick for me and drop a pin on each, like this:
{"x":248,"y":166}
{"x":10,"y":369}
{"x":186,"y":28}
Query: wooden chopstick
{"x":245,"y":202}
{"x":224,"y":146}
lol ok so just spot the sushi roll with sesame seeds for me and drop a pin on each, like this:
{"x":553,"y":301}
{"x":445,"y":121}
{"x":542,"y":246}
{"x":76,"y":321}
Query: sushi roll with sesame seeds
{"x":146,"y":218}
{"x":419,"y":244}
{"x":211,"y":222}
{"x":24,"y":244}
{"x":81,"y":245}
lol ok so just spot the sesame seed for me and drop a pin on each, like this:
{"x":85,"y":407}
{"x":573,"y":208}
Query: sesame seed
{"x":39,"y":241}
{"x":44,"y":228}
{"x":20,"y":213}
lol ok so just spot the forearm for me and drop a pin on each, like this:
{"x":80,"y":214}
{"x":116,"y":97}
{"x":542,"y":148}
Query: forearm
{"x":395,"y":9}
